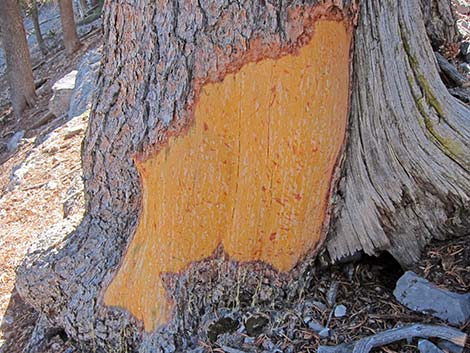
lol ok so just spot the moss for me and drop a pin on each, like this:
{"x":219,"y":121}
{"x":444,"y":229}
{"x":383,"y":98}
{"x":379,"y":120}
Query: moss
{"x":449,"y":146}
{"x":422,"y":82}
{"x":430,"y":97}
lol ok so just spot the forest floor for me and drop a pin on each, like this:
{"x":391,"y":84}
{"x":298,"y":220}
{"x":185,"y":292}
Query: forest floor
{"x":43,"y":176}
{"x":40,"y":182}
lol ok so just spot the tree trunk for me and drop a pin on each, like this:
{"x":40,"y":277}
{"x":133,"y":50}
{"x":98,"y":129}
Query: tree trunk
{"x":37,"y":27}
{"x":233,"y":145}
{"x":440,"y":21}
{"x":84,"y":7}
{"x":71,"y":40}
{"x":15,"y":45}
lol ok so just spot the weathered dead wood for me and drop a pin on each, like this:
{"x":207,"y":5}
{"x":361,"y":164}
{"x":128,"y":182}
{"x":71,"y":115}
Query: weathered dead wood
{"x":453,"y":335}
{"x":451,"y":72}
{"x":461,"y":93}
{"x":407,"y":166}
{"x":440,"y":21}
{"x":384,"y":338}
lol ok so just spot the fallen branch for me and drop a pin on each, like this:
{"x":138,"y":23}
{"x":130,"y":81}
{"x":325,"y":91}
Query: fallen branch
{"x":365,"y":345}
{"x":451,"y":72}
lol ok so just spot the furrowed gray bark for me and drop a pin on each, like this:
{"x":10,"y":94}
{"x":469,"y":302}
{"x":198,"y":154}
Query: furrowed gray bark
{"x":404,"y":180}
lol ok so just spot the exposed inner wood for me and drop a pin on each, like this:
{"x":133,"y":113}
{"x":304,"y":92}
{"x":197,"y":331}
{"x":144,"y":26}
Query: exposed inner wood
{"x":253,"y":172}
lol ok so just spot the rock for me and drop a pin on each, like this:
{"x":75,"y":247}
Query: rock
{"x":15,"y":140}
{"x":249,"y":340}
{"x":461,"y":7}
{"x":332,"y":293}
{"x":255,"y":325}
{"x":62,"y":94}
{"x":17,"y":175}
{"x":7,"y":320}
{"x":449,"y":347}
{"x":85,"y":83}
{"x":466,"y":68}
{"x":340,"y":311}
{"x":325,"y":333}
{"x":465,"y":48}
{"x":425,"y":346}
{"x":420,"y":295}
{"x":72,"y":132}
{"x":315,"y":326}
{"x":51,"y":185}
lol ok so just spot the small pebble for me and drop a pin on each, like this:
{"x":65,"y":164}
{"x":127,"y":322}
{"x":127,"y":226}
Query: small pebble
{"x":315,"y":326}
{"x":325,"y":333}
{"x":340,"y":311}
{"x":332,"y":292}
{"x":425,"y":346}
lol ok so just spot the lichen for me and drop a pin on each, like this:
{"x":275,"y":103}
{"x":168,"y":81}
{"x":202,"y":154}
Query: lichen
{"x":449,"y":146}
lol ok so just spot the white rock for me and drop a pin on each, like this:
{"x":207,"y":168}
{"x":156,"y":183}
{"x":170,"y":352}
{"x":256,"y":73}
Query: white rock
{"x":340,"y":311}
{"x":15,"y":140}
{"x":62,"y":93}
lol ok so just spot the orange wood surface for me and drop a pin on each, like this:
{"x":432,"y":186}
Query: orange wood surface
{"x":253,"y":172}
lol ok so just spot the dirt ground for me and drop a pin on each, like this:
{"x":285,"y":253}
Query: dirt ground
{"x":38,"y":182}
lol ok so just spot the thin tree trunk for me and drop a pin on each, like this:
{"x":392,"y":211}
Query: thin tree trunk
{"x":84,"y":7}
{"x":19,"y":69}
{"x":184,"y":118}
{"x":71,"y":40}
{"x":37,"y":28}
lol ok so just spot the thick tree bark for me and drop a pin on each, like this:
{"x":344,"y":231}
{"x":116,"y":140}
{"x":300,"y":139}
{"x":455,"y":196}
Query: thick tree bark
{"x":37,"y":27}
{"x":401,"y":179}
{"x":19,"y":69}
{"x":71,"y":40}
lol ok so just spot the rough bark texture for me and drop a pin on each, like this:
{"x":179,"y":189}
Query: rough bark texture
{"x":439,"y":19}
{"x":71,"y":40}
{"x":405,"y":174}
{"x":37,"y":27}
{"x":20,"y":72}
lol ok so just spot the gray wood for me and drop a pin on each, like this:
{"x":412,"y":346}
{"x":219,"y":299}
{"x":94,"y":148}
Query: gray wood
{"x":451,"y":72}
{"x":365,"y":345}
{"x":453,"y":335}
{"x":406,"y":173}
{"x":461,"y":93}
{"x":439,"y":18}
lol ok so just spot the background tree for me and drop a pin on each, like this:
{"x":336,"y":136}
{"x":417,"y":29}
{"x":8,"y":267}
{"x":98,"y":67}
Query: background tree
{"x":19,"y":69}
{"x":71,"y":40}
{"x":224,"y":154}
{"x":37,"y":27}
